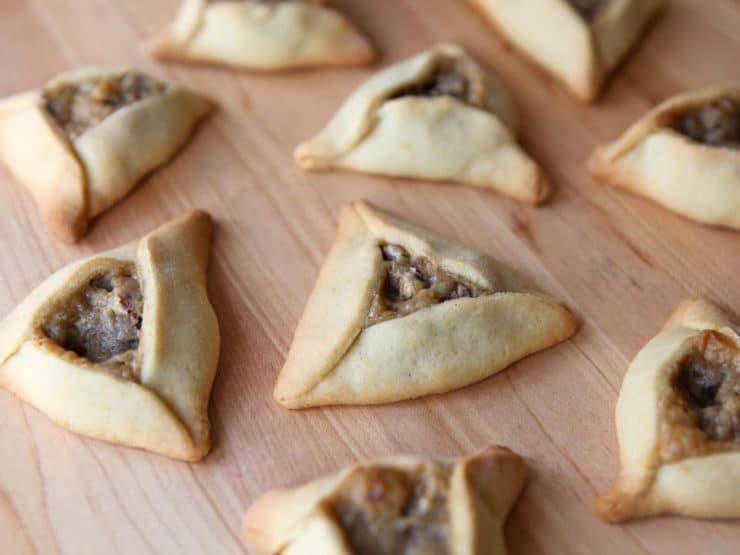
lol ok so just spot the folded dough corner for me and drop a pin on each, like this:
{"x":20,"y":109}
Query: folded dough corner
{"x":403,"y":504}
{"x":440,"y":116}
{"x":398,"y":312}
{"x":684,"y":155}
{"x":262,"y":35}
{"x":123,"y":346}
{"x":678,"y":421}
{"x":99,"y":131}
{"x":580,"y":42}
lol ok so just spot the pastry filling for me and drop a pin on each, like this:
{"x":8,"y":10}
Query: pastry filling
{"x":450,"y":77}
{"x":715,"y":124}
{"x":702,"y":402}
{"x":101,"y":322}
{"x":385,"y":511}
{"x":408,"y":283}
{"x":77,"y":107}
{"x":588,"y":9}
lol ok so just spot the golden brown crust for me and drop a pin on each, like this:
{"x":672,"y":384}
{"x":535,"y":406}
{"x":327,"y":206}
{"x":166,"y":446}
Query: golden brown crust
{"x":336,"y":359}
{"x":587,"y":50}
{"x":29,"y":134}
{"x":489,"y":484}
{"x":655,"y":161}
{"x":649,"y":483}
{"x":380,"y":130}
{"x":260,"y":36}
{"x":84,"y":175}
{"x":165,"y":410}
{"x":482,"y":490}
{"x":181,"y":331}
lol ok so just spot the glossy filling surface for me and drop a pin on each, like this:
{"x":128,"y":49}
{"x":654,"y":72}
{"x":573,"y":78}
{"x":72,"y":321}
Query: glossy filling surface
{"x":588,"y":9}
{"x":450,"y":77}
{"x":386,"y":511}
{"x":79,"y":106}
{"x":408,"y":283}
{"x":715,"y":124}
{"x":101,"y":322}
{"x":701,"y":404}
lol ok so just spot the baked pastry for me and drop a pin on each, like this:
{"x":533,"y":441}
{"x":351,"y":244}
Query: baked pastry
{"x":123,"y":346}
{"x":684,"y":154}
{"x":399,"y":312}
{"x":401,"y":505}
{"x":678,"y":421}
{"x":98,"y":132}
{"x":592,"y":38}
{"x":262,"y":34}
{"x":438,"y":116}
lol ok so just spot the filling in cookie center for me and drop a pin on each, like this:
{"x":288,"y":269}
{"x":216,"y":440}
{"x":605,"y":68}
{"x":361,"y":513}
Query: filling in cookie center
{"x":77,"y":107}
{"x":588,"y":8}
{"x":385,"y":511}
{"x":410,"y":283}
{"x":702,"y":406}
{"x":712,"y":390}
{"x":449,"y":78}
{"x":101,"y":322}
{"x":715,"y":124}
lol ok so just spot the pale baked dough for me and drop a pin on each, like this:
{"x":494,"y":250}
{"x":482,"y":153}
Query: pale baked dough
{"x":653,"y":159}
{"x":262,"y":35}
{"x":160,"y":406}
{"x":479,"y":491}
{"x":581,"y":51}
{"x":81,"y":176}
{"x":692,"y":474}
{"x":338,"y":357}
{"x":438,"y":138}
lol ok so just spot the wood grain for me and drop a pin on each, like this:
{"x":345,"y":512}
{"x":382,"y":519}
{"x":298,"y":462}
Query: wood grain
{"x":622,"y":263}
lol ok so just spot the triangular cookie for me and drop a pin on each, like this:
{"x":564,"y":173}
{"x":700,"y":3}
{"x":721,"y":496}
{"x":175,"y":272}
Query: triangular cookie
{"x":393,"y":506}
{"x":399,"y":312}
{"x":439,"y":116}
{"x":592,"y":38}
{"x":678,"y":421}
{"x":98,"y":131}
{"x":262,"y":34}
{"x":684,"y":154}
{"x":123,"y":346}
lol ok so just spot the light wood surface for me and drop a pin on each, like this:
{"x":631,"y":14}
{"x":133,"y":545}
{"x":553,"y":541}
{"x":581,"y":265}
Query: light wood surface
{"x":622,"y":263}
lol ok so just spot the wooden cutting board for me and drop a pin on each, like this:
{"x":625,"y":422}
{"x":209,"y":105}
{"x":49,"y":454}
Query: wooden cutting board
{"x":622,"y":263}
